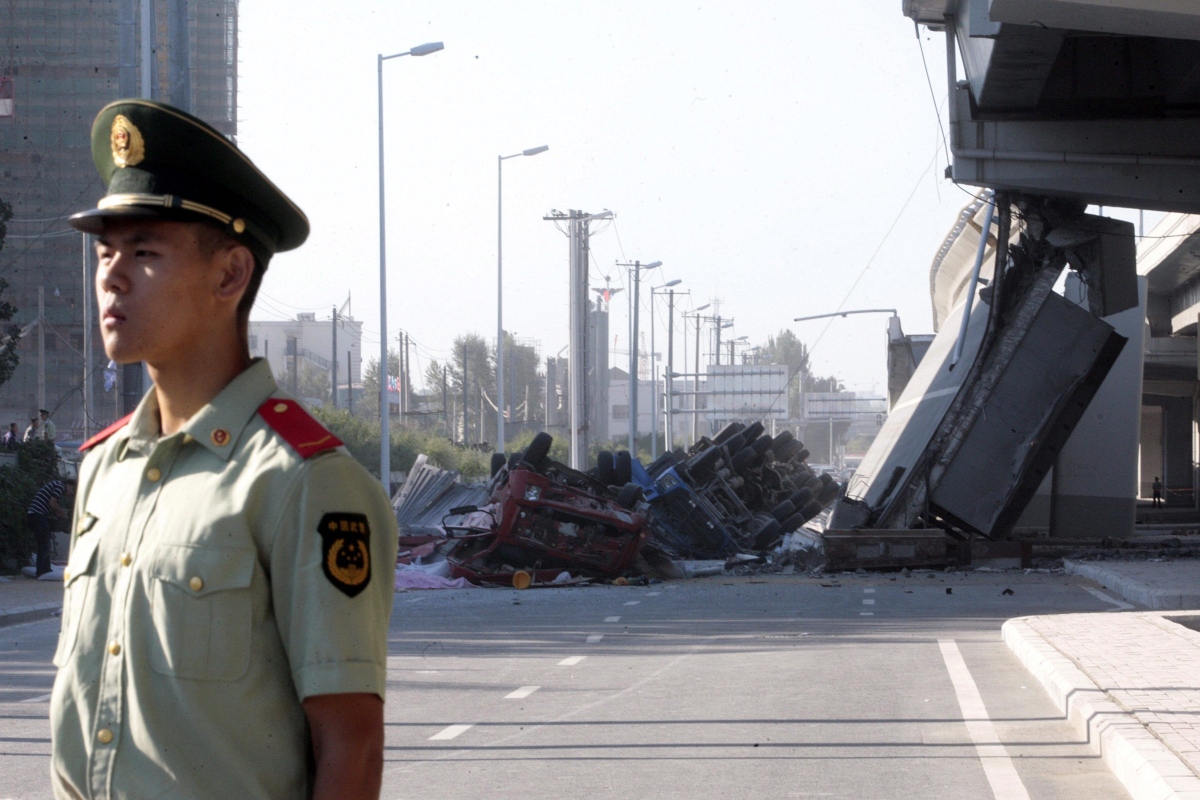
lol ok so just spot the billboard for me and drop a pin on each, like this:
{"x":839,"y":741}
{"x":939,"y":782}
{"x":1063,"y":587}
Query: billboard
{"x":747,"y":391}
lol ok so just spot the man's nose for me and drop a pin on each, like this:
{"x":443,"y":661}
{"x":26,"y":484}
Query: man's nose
{"x":112,"y":276}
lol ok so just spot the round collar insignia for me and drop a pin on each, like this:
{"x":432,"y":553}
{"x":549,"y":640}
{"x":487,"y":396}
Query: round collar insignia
{"x":220,"y":437}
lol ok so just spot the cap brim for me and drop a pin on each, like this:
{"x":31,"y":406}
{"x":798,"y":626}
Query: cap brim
{"x":92,"y":221}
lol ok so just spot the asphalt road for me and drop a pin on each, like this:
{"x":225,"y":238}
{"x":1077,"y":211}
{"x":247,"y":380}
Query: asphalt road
{"x":847,"y":687}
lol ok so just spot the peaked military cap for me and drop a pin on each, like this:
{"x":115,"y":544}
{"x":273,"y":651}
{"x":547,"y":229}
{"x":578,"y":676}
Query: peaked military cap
{"x":159,"y":162}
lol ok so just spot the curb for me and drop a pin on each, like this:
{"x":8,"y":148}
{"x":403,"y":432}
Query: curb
{"x":15,"y":616}
{"x":1133,"y":590}
{"x":1144,"y":765}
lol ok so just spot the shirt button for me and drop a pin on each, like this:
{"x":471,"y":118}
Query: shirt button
{"x":126,"y":559}
{"x":66,"y":575}
{"x":114,"y":649}
{"x":153,"y":474}
{"x":104,"y":736}
{"x":196,"y":584}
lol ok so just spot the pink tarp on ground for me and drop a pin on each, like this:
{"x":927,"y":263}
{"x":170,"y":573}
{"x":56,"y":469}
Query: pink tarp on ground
{"x":419,"y":579}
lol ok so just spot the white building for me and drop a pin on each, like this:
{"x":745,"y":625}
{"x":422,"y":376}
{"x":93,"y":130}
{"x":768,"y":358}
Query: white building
{"x":314,"y":342}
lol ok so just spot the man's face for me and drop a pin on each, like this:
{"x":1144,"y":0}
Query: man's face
{"x":156,"y":291}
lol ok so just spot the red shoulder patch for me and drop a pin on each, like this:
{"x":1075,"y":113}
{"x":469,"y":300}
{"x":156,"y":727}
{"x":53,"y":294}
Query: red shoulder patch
{"x":104,"y":434}
{"x":297,"y":427}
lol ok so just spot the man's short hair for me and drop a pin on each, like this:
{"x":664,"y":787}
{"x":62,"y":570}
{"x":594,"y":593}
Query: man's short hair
{"x":210,"y":238}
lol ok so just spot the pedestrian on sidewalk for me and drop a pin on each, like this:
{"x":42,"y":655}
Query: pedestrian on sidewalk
{"x":230,"y":583}
{"x":12,"y":437}
{"x":42,"y":510}
{"x":1156,"y":487}
{"x":49,"y":429}
{"x":33,"y":431}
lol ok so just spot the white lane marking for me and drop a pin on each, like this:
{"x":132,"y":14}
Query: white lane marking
{"x":866,"y":613}
{"x":612,"y":619}
{"x":633,"y":602}
{"x":41,"y":698}
{"x":1099,"y":595}
{"x":452,"y":732}
{"x":868,"y":591}
{"x":572,"y":661}
{"x":653,"y":594}
{"x":868,"y":602}
{"x":595,"y":637}
{"x":522,"y":693}
{"x":672,"y":587}
{"x":417,"y":599}
{"x":997,"y":766}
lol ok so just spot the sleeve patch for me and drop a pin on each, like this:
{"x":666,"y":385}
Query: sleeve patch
{"x":346,"y":551}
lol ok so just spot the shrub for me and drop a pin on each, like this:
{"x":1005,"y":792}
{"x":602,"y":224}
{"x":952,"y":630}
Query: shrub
{"x":37,"y":463}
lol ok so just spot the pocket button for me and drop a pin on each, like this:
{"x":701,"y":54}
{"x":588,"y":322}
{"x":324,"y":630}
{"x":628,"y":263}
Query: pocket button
{"x":196,"y":583}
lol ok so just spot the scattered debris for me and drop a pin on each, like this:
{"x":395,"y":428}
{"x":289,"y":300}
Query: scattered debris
{"x":1008,"y":592}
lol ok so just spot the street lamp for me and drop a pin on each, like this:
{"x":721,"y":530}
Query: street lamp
{"x":385,"y":465}
{"x":635,"y":276}
{"x":655,"y":290}
{"x":696,"y":376}
{"x":533,"y":151}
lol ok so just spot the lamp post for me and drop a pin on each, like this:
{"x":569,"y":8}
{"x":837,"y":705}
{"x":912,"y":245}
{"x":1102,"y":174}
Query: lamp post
{"x":533,"y":151}
{"x":656,"y":290}
{"x":696,"y":377}
{"x":385,"y":465}
{"x":635,"y":276}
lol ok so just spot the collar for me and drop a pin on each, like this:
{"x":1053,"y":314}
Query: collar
{"x":217,"y":427}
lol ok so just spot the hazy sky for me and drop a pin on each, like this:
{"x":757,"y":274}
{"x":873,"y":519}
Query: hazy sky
{"x":760,"y":150}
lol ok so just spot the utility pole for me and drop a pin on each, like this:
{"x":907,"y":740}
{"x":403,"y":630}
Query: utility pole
{"x":445,"y":405}
{"x":293,"y":350}
{"x":335,"y":385}
{"x":635,"y":276}
{"x":407,"y":376}
{"x":717,"y":350}
{"x":696,"y":387}
{"x":669,"y":442}
{"x":465,"y":404}
{"x":349,"y":384}
{"x":41,"y":375}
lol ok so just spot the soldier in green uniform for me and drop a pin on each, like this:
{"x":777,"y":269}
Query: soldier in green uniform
{"x":229,"y":586}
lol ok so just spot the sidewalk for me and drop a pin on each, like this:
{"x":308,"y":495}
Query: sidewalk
{"x":24,"y":600}
{"x":1129,"y":682}
{"x":1154,"y":584}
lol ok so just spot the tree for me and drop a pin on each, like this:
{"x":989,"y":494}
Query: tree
{"x":787,"y":349}
{"x":522,"y":379}
{"x":369,"y":407}
{"x":472,"y":350}
{"x":10,"y":334}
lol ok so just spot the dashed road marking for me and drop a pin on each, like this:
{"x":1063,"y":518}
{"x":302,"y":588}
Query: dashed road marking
{"x":595,"y":637}
{"x":451,"y":732}
{"x":571,"y":661}
{"x":1099,"y":595}
{"x":41,"y":698}
{"x":866,"y":613}
{"x":868,"y":602}
{"x":633,"y":602}
{"x":997,"y":766}
{"x":612,"y":619}
{"x":653,"y":594}
{"x":522,"y":693}
{"x":868,"y":591}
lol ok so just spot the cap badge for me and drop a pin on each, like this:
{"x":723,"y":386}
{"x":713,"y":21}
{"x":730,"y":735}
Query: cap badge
{"x":128,"y":147}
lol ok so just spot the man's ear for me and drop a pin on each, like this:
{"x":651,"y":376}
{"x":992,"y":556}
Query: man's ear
{"x":236,"y":270}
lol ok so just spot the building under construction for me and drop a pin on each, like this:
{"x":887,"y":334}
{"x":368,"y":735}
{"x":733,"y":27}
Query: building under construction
{"x":60,"y":62}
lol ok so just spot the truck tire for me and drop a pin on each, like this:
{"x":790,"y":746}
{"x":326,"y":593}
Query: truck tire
{"x":826,"y":478}
{"x":624,"y":468}
{"x":767,"y":535}
{"x":811,"y":509}
{"x":744,"y":458}
{"x":728,"y":432}
{"x":539,"y":448}
{"x":703,"y":463}
{"x":762,"y":444}
{"x":800,"y":498}
{"x":498,"y":462}
{"x":753,"y":431}
{"x":785,"y":451}
{"x":783,"y":510}
{"x":815,"y":485}
{"x":793,"y":522}
{"x":802,"y":455}
{"x":604,"y":468}
{"x":830,"y":493}
{"x":630,"y":495}
{"x":784,"y":436}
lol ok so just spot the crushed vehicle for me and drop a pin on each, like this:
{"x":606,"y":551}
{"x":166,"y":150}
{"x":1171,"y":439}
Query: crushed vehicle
{"x":543,"y":518}
{"x":738,"y":491}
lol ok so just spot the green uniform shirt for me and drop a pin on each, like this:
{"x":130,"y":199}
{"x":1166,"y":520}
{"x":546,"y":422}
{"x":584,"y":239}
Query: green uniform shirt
{"x":216,"y":579}
{"x":49,"y":430}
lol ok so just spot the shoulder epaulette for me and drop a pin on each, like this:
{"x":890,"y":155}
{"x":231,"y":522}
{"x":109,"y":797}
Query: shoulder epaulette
{"x":104,"y":434}
{"x":297,"y":427}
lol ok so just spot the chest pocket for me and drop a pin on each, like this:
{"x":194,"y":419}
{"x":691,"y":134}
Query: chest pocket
{"x":81,"y":569}
{"x":203,"y":611}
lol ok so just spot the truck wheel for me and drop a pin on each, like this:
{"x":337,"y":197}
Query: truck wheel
{"x":753,"y":431}
{"x":784,"y":436}
{"x":793,"y":522}
{"x":762,"y":444}
{"x":832,"y":490}
{"x":630,"y":495}
{"x":783,"y":510}
{"x":815,"y":485}
{"x":624,"y":468}
{"x":744,"y":458}
{"x":800,"y":498}
{"x":826,"y":478}
{"x":498,"y":461}
{"x":539,"y":448}
{"x":728,"y":432}
{"x":811,"y":509}
{"x":767,"y":535}
{"x":604,"y":468}
{"x":802,"y":455}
